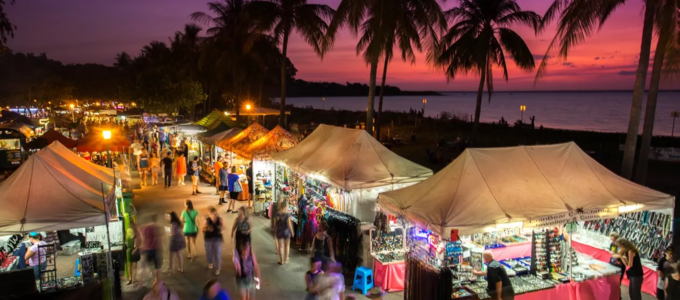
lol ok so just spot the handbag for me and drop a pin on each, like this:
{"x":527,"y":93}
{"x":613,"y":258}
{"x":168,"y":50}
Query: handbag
{"x":237,"y":187}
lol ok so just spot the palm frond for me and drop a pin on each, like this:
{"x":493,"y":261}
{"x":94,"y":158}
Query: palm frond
{"x":515,"y":45}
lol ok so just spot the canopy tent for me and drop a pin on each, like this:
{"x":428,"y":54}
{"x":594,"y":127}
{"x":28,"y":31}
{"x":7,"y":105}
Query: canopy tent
{"x":10,"y":116}
{"x":259,"y":111}
{"x":278,"y":139}
{"x":52,"y":135}
{"x":214,"y":139}
{"x":485,"y":187}
{"x":20,"y":127}
{"x":222,"y":127}
{"x":94,"y":141}
{"x":51,"y":191}
{"x":245,"y":137}
{"x":58,"y":155}
{"x":214,"y":119}
{"x":350,"y":159}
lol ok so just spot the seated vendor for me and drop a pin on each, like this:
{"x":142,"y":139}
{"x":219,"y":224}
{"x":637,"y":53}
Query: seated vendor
{"x":499,"y":285}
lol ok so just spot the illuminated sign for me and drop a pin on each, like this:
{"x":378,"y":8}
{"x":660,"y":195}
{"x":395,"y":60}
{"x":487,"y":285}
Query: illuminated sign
{"x":422,"y":233}
{"x":43,"y":121}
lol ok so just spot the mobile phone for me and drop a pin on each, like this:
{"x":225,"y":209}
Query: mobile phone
{"x":257,"y":283}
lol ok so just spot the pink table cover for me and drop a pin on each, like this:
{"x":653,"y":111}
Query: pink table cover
{"x":650,"y":277}
{"x":513,"y":251}
{"x":605,"y":288}
{"x":390,"y":277}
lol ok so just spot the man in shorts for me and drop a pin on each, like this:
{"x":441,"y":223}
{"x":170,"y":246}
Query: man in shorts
{"x":217,"y":167}
{"x":195,"y":172}
{"x":224,"y":183}
{"x":151,"y":240}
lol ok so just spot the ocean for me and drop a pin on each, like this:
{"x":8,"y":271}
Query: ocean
{"x":593,"y":111}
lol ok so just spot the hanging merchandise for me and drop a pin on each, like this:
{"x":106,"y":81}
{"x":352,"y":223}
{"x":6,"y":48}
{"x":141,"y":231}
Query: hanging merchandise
{"x":388,"y":247}
{"x":345,"y":230}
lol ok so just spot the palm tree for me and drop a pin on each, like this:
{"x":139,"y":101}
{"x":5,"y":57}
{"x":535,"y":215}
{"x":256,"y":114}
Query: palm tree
{"x":478,"y":40}
{"x":408,"y":24}
{"x":382,"y":23}
{"x":282,"y":17}
{"x":232,"y":35}
{"x":6,"y":27}
{"x":667,"y":23}
{"x":186,"y":50}
{"x":577,"y":21}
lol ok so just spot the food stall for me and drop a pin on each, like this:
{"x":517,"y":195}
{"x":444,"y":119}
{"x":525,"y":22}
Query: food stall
{"x":340,"y":169}
{"x":57,"y":190}
{"x":543,"y":189}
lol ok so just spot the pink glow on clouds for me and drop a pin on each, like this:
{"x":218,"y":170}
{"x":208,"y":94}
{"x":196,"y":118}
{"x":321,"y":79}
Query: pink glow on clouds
{"x":94,"y":31}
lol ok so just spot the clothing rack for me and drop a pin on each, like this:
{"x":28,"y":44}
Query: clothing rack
{"x":345,"y":231}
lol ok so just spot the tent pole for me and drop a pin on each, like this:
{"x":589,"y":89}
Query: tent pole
{"x":108,"y":241}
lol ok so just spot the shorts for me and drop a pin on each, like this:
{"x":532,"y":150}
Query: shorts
{"x":245,"y":284}
{"x":234,"y":195}
{"x":152,"y":257}
{"x":135,"y":256}
{"x":144,"y":169}
{"x":191,"y":234}
{"x":224,"y":188}
{"x":155,"y":170}
{"x":194,"y":179}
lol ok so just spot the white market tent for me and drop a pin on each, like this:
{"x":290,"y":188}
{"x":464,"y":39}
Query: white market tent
{"x":485,"y":187}
{"x":353,"y":160}
{"x":53,"y":190}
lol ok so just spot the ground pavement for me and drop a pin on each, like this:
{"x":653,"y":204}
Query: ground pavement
{"x":278,"y":282}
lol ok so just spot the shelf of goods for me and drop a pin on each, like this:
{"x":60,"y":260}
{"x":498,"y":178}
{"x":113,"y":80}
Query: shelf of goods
{"x":389,"y":250}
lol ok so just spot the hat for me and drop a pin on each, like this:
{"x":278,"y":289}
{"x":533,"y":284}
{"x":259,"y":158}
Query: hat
{"x":375,"y":293}
{"x":33,"y":234}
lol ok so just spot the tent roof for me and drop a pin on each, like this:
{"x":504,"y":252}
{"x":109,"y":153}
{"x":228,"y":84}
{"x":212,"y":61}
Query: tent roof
{"x":221,"y":127}
{"x":259,"y":111}
{"x":243,"y":138}
{"x":278,"y":139}
{"x":94,"y":141}
{"x":214,"y":139}
{"x":350,"y":159}
{"x":483,"y":187}
{"x":49,"y":192}
{"x":20,"y":127}
{"x":214,"y":118}
{"x":52,"y":135}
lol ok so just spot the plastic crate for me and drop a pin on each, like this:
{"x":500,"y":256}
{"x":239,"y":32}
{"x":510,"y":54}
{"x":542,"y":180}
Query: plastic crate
{"x":71,"y":247}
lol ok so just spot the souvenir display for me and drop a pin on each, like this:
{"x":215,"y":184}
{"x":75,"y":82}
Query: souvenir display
{"x":387,"y":242}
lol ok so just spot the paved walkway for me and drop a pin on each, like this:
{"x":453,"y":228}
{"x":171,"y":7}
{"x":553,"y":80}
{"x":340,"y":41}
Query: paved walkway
{"x":278,"y":282}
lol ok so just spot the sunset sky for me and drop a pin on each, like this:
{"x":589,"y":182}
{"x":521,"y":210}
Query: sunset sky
{"x":81,"y":31}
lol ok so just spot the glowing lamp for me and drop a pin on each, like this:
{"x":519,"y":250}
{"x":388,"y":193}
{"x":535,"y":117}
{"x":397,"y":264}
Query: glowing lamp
{"x":106,"y":134}
{"x":248,"y":107}
{"x":72,"y":106}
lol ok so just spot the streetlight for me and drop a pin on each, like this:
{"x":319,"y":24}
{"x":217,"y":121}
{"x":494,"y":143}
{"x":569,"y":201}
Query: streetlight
{"x":522,"y":108}
{"x":674,"y":114}
{"x":73,"y":117}
{"x":107,"y":140}
{"x":323,"y":105}
{"x":248,"y":107}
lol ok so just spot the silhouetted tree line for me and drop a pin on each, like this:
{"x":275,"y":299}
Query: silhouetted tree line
{"x":301,"y":88}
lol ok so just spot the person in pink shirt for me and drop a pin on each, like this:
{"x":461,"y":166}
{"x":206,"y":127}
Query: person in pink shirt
{"x":151,"y":241}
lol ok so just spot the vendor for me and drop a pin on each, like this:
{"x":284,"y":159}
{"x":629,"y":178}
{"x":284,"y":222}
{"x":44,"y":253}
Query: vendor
{"x":499,"y":285}
{"x":37,"y":262}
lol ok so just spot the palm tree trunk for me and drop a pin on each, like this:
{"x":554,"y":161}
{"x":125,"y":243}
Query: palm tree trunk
{"x":638,"y":92}
{"x":380,"y":101}
{"x":282,"y":109}
{"x":650,"y":110}
{"x":478,"y":107}
{"x":371,"y":96}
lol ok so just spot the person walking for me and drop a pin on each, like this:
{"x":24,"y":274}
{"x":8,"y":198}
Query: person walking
{"x":195,"y":172}
{"x":212,"y":236}
{"x":162,"y":137}
{"x":167,"y":169}
{"x":630,"y":256}
{"x":235,"y":189}
{"x":284,"y":232}
{"x":217,"y":167}
{"x":672,"y":284}
{"x":181,"y":168}
{"x":664,"y":269}
{"x":331,"y":284}
{"x":213,"y":290}
{"x":151,"y":240}
{"x":311,"y":279}
{"x":224,"y":183}
{"x":177,"y":243}
{"x":133,"y":244}
{"x":189,"y":215}
{"x":160,"y":292}
{"x":322,"y":246}
{"x":143,"y":163}
{"x":155,"y":164}
{"x":242,"y":227}
{"x":251,"y":184}
{"x":247,"y":271}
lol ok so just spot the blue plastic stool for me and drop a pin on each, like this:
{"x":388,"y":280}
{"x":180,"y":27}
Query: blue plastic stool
{"x":77,"y":273}
{"x":363,"y":279}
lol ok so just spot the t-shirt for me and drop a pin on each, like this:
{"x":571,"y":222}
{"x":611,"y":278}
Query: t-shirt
{"x":190,"y":221}
{"x":222,"y":295}
{"x":167,"y":164}
{"x":37,"y":258}
{"x":162,"y":136}
{"x":496,"y":273}
{"x":194,"y":168}
{"x":217,"y":166}
{"x":224,"y":174}
{"x":136,"y":149}
{"x":667,"y":268}
{"x":334,"y":283}
{"x":150,"y":238}
{"x":232,"y":178}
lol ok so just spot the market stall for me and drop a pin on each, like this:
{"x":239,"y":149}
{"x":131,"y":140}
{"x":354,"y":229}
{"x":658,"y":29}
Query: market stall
{"x":215,"y":118}
{"x":542,"y":188}
{"x":13,"y":138}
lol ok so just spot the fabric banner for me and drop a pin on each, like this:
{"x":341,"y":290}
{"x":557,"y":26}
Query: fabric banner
{"x":579,"y":215}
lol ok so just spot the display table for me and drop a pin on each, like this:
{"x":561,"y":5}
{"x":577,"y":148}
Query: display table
{"x":512,"y":251}
{"x":650,"y":276}
{"x":605,"y":288}
{"x":389,"y":276}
